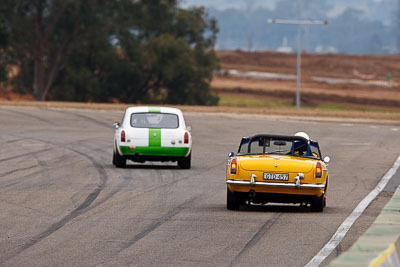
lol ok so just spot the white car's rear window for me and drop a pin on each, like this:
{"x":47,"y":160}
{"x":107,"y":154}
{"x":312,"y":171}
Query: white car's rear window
{"x":154,"y":120}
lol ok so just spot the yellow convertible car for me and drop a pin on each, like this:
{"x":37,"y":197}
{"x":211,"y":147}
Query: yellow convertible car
{"x":277,"y":168}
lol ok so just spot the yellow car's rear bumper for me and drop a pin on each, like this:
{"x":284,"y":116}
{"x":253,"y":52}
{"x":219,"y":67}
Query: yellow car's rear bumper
{"x":268,"y":184}
{"x":278,"y":188}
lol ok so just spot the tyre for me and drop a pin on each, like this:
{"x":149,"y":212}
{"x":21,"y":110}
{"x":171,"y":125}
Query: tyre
{"x":113,"y":159}
{"x":185,"y":163}
{"x":232,"y":200}
{"x":120,"y":161}
{"x":317,"y":204}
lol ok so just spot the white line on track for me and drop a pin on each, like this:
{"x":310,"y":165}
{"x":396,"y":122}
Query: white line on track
{"x":345,"y":226}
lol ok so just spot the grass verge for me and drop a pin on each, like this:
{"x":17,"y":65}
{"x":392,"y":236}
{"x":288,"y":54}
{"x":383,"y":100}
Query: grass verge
{"x":251,"y":100}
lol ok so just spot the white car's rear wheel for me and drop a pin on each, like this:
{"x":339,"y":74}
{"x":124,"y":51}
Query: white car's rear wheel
{"x":120,"y":161}
{"x":185,"y":163}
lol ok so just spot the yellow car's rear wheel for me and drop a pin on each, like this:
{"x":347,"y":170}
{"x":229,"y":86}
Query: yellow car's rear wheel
{"x":318,"y":203}
{"x":233,"y":200}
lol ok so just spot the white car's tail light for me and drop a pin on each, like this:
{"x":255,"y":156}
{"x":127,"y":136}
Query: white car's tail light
{"x":186,"y":138}
{"x":318,"y":170}
{"x":122,"y":136}
{"x":233,"y":166}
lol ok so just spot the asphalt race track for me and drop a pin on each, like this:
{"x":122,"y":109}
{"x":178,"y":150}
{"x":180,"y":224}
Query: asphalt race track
{"x":62,"y":202}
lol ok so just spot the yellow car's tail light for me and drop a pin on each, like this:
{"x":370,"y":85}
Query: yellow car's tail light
{"x":233,"y":166}
{"x":318,"y":170}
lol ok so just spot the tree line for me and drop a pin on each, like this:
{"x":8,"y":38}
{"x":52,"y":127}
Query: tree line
{"x":131,"y":51}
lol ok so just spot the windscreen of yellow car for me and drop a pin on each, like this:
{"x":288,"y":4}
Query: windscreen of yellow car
{"x":268,"y":145}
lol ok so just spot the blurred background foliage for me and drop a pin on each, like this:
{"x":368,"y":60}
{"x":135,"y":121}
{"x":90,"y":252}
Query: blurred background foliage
{"x":143,"y":51}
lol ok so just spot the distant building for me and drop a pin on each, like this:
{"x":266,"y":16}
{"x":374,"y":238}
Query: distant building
{"x":285,"y":48}
{"x":326,"y":49}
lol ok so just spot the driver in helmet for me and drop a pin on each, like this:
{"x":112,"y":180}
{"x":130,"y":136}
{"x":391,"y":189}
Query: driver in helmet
{"x":301,"y":150}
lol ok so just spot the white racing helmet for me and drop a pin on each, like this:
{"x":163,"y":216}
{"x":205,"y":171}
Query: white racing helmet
{"x":303,"y":134}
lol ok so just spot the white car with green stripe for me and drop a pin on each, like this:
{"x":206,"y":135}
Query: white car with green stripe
{"x":152,"y":134}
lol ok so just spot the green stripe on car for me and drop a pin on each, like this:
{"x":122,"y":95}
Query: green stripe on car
{"x":154,"y":137}
{"x":154,"y":110}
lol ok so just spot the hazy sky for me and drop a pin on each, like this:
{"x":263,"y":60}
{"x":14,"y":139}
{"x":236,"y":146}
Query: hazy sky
{"x":224,"y":4}
{"x":367,"y":6}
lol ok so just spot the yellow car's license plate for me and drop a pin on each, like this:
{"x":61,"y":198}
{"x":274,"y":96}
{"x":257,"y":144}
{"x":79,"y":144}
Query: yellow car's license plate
{"x":276,"y":176}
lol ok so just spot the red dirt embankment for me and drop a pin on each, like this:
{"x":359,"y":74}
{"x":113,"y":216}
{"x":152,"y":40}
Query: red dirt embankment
{"x":359,"y":67}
